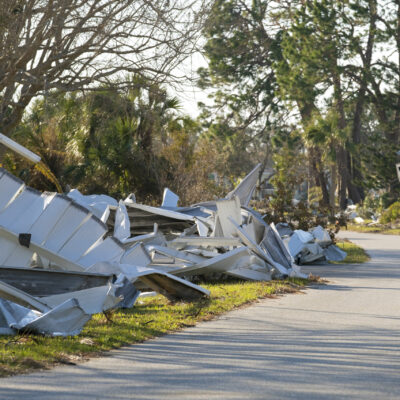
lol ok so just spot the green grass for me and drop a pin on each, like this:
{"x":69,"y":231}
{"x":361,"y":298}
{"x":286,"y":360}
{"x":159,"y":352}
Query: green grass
{"x":373,"y":229}
{"x":149,"y":318}
{"x":355,"y":254}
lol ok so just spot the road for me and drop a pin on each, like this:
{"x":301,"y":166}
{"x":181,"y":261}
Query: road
{"x":339,"y":341}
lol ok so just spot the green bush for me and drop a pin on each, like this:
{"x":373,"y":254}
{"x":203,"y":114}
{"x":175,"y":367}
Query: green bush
{"x":391,"y":214}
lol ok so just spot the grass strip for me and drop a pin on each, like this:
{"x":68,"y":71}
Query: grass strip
{"x":355,"y":254}
{"x":373,"y":229}
{"x":150,"y":317}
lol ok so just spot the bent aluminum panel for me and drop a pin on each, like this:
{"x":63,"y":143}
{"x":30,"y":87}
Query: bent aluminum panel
{"x":246,"y":188}
{"x":8,"y":292}
{"x":41,"y":282}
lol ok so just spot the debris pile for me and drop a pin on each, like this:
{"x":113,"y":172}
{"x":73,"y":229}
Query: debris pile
{"x":308,"y":247}
{"x":66,"y":257}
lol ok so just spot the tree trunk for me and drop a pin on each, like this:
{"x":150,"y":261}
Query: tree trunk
{"x":342,"y":154}
{"x":353,"y":190}
{"x":318,"y":174}
{"x":315,"y":156}
{"x":343,"y":181}
{"x":332,"y":188}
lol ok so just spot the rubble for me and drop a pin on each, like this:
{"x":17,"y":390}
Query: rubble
{"x":308,"y":247}
{"x":66,"y":257}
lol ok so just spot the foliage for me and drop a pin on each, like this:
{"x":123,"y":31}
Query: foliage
{"x":73,"y":45}
{"x":392,"y":214}
{"x":302,"y":66}
{"x":117,"y":142}
{"x":286,"y":180}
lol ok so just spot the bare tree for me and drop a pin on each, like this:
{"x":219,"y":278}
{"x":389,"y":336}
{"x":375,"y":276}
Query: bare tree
{"x":72,"y":44}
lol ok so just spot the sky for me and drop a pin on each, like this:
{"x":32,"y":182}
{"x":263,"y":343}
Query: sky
{"x":189,"y":94}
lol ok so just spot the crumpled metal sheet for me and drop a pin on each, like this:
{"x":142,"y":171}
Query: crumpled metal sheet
{"x":244,"y":191}
{"x":311,"y":252}
{"x":170,"y":199}
{"x":167,"y":284}
{"x":321,"y":236}
{"x":61,"y":314}
{"x":284,"y":229}
{"x":333,"y":253}
{"x":98,"y":204}
{"x":66,"y":319}
{"x":151,"y":247}
{"x":310,"y":247}
{"x":298,"y":240}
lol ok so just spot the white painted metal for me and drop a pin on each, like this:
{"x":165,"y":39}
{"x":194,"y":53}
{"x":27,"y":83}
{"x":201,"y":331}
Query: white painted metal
{"x":46,"y":222}
{"x":10,"y":237}
{"x":398,"y":170}
{"x":21,"y":150}
{"x":69,"y":223}
{"x":203,"y":241}
{"x":28,"y":216}
{"x":258,"y":250}
{"x":221,"y":263}
{"x":104,"y":250}
{"x":170,"y":199}
{"x":92,"y":301}
{"x":228,"y":210}
{"x":244,"y":191}
{"x":17,"y":296}
{"x":86,"y":235}
{"x":136,"y":255}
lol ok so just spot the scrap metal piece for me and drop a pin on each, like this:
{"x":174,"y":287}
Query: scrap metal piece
{"x":43,"y":282}
{"x":334,"y":253}
{"x":244,"y":191}
{"x":270,"y":244}
{"x":21,"y":150}
{"x":311,"y":252}
{"x":8,"y":292}
{"x":231,"y":260}
{"x":180,"y":243}
{"x":321,"y":236}
{"x":63,"y":313}
{"x":227,"y":211}
{"x":142,"y":219}
{"x":127,"y":291}
{"x":284,"y":229}
{"x":122,"y":226}
{"x":9,"y":244}
{"x":298,"y":240}
{"x":11,"y":186}
{"x":282,"y":245}
{"x":173,"y":254}
{"x":252,"y":273}
{"x":170,"y":199}
{"x":67,"y":319}
{"x":97,"y":204}
{"x":136,"y":255}
{"x":258,"y":250}
{"x":173,"y":287}
{"x":92,"y":301}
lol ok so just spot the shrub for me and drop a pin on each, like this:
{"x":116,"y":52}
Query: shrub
{"x":391,"y":214}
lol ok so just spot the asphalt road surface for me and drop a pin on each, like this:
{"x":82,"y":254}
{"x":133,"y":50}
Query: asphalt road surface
{"x":339,"y":341}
